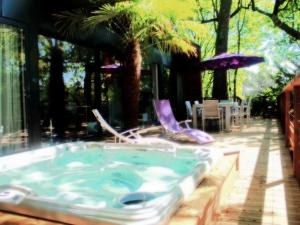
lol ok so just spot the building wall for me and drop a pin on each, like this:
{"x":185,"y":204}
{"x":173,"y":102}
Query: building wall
{"x":25,"y":14}
{"x":34,"y":19}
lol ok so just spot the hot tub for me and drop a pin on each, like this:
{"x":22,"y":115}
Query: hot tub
{"x":100,"y":183}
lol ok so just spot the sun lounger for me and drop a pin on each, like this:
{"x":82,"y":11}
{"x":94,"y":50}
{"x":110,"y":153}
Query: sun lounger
{"x":129,"y":136}
{"x":172,"y":126}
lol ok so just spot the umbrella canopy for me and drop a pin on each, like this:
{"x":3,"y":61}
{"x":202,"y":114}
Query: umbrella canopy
{"x":230,"y":61}
{"x":110,"y":67}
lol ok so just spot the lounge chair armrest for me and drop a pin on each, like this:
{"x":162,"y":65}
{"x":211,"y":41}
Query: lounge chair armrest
{"x":134,"y":134}
{"x":131,"y":133}
{"x":186,"y":123}
{"x":130,"y":130}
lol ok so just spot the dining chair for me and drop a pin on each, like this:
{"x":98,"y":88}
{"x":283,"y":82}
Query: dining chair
{"x":225,"y":101}
{"x":211,"y":111}
{"x":199,"y":110}
{"x":246,"y":110}
{"x":236,"y":114}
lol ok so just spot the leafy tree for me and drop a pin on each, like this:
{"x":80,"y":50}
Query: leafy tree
{"x":220,"y":76}
{"x":265,"y":39}
{"x":140,"y":24}
{"x":239,"y":28}
{"x":137,"y":20}
{"x":220,"y":15}
{"x":285,"y":14}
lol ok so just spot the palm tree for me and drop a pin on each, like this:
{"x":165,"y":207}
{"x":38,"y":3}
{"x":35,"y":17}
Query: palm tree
{"x":141,"y":25}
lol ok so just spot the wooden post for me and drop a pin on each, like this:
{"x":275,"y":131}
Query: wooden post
{"x":282,"y":112}
{"x":296,"y":153}
{"x":287,"y":103}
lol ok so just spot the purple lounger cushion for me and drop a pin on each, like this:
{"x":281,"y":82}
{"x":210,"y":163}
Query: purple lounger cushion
{"x":167,"y":119}
{"x":200,"y":136}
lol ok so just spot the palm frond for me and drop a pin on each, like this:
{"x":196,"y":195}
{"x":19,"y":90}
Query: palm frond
{"x":69,"y":23}
{"x":151,"y":22}
{"x":81,"y":20}
{"x":117,"y":18}
{"x":168,"y":38}
{"x":104,"y":14}
{"x":176,"y":44}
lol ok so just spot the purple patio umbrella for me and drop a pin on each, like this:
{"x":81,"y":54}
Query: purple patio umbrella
{"x":110,"y":67}
{"x":229,"y":61}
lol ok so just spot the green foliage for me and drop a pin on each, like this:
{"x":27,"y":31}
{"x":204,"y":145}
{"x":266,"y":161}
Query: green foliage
{"x":265,"y":104}
{"x":152,"y":23}
{"x":258,"y":37}
{"x":73,"y":56}
{"x":207,"y":82}
{"x":288,"y":11}
{"x":173,"y":27}
{"x":265,"y":101}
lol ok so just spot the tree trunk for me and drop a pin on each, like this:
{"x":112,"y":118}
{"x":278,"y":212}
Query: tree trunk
{"x":97,"y":79}
{"x":131,"y":84}
{"x":220,"y":77}
{"x":57,"y":92}
{"x":239,"y":26}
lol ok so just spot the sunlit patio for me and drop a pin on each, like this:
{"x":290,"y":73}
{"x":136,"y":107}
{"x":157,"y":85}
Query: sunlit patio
{"x":78,"y":75}
{"x":266,"y":191}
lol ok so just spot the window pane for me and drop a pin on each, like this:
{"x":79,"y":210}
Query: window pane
{"x":13,"y":134}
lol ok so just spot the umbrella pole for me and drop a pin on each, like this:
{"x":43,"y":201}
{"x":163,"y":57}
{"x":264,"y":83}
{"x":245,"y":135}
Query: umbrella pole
{"x":229,"y":85}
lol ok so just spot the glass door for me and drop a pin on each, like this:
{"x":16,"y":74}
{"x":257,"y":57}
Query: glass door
{"x":13,"y":132}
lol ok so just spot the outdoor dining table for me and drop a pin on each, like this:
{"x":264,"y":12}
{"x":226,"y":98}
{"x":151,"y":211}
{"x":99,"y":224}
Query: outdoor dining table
{"x":225,"y":105}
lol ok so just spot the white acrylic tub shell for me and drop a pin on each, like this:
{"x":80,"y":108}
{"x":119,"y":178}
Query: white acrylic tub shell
{"x":153,"y":210}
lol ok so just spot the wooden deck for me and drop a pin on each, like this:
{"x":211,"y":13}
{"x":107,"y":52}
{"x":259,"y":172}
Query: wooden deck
{"x":266,"y":191}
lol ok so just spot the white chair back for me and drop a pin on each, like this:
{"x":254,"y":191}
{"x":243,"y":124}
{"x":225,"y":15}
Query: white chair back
{"x":235,"y":109}
{"x":189,"y":111}
{"x":246,"y":107}
{"x":226,"y":101}
{"x":107,"y":127}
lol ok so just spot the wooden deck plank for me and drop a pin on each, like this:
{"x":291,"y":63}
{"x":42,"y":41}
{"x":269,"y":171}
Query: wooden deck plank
{"x":200,"y":207}
{"x":266,"y":191}
{"x":13,"y":219}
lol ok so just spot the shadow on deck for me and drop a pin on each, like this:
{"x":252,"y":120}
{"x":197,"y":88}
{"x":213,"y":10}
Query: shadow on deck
{"x":266,"y":191}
